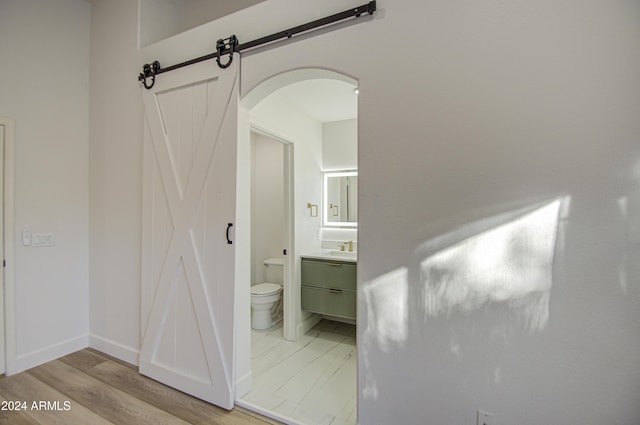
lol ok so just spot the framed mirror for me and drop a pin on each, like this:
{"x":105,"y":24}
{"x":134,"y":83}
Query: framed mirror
{"x":340,"y":192}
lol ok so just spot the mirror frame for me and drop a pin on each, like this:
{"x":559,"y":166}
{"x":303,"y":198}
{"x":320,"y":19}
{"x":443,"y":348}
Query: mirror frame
{"x":325,"y":218}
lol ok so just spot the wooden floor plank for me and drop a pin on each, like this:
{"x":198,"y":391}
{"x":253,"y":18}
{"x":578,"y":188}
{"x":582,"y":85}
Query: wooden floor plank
{"x":108,"y":402}
{"x":84,"y":359}
{"x":8,"y":417}
{"x":58,"y":408}
{"x":191,"y":409}
{"x":103,"y":390}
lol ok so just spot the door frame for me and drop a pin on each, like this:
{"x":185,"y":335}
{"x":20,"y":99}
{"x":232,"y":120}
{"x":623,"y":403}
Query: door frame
{"x":7,"y":236}
{"x":249,"y":98}
{"x":289,"y":305}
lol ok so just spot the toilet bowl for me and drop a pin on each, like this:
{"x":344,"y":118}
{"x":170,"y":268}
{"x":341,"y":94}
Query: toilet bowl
{"x":265,"y":305}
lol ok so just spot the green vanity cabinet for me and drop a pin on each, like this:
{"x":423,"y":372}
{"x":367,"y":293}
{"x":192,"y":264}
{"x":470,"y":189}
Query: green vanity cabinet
{"x":329,"y":287}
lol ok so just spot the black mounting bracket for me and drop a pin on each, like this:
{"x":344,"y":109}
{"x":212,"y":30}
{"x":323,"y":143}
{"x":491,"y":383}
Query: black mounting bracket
{"x":149,"y":70}
{"x":228,"y":45}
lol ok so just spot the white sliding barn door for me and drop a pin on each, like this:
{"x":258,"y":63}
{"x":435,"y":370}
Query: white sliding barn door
{"x":189,"y":188}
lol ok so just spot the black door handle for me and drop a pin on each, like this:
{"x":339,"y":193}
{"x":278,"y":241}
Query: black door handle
{"x":229,"y":226}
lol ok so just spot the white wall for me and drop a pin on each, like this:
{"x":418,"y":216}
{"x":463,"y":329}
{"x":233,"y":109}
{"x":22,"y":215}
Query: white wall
{"x":115,"y":179}
{"x":467,"y":110}
{"x":198,"y":12}
{"x":340,"y":145}
{"x":267,"y":203}
{"x":44,"y":86}
{"x":277,"y":116}
{"x":160,"y":19}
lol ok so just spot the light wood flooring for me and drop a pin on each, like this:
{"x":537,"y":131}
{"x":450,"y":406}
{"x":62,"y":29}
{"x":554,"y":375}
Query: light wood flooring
{"x":101,"y":390}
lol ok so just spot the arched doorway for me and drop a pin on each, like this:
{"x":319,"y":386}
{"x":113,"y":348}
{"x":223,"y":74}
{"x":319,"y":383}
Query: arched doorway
{"x":282,"y":108}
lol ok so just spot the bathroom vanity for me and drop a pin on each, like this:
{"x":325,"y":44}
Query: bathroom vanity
{"x":329,"y":285}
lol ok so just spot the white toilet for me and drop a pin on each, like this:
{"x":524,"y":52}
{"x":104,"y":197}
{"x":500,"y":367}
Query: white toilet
{"x":266,"y":297}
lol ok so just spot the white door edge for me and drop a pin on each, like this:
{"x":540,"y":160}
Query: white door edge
{"x":9,"y":350}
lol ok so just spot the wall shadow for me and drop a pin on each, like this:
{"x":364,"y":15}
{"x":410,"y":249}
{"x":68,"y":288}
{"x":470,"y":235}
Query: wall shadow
{"x":506,"y":262}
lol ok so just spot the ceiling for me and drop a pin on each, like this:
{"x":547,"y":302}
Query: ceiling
{"x":324,"y":100}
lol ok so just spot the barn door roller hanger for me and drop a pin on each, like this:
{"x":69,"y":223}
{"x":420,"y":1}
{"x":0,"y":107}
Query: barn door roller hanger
{"x":230,"y":45}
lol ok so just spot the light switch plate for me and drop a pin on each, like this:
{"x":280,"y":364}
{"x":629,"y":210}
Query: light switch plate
{"x":43,"y":239}
{"x":26,"y":237}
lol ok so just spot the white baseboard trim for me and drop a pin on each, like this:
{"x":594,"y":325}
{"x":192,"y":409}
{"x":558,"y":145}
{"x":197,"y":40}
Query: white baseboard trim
{"x":114,"y":349}
{"x":266,"y":412}
{"x":47,"y":354}
{"x":244,"y":384}
{"x":308,"y":323}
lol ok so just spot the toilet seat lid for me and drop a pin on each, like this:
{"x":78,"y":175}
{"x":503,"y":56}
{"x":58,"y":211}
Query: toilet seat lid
{"x":265,"y":289}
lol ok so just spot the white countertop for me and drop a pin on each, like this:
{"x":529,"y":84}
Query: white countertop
{"x":332,"y":254}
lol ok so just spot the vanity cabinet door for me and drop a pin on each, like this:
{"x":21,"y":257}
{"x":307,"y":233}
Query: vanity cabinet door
{"x":329,"y":287}
{"x":332,"y":302}
{"x":329,"y":274}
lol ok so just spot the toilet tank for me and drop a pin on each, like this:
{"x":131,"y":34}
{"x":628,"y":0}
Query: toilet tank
{"x":274,"y":270}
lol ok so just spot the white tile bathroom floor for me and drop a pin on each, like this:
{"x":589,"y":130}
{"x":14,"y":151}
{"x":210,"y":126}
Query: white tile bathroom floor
{"x":311,"y":381}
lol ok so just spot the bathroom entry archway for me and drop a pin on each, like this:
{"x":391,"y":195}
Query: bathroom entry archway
{"x":294,"y":325}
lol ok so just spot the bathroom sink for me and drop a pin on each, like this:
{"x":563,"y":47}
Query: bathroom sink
{"x":352,"y":255}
